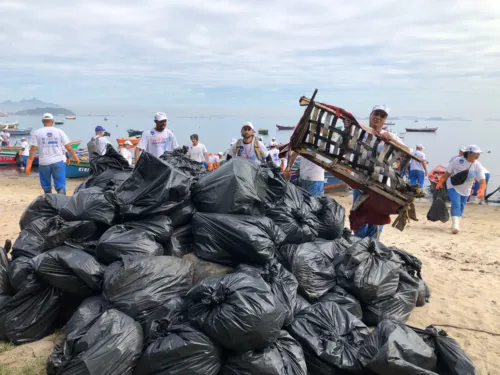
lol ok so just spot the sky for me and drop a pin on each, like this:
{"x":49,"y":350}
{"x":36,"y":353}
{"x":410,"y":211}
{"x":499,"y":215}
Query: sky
{"x":426,"y":58}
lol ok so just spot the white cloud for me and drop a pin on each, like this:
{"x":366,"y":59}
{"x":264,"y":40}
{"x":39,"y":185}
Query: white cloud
{"x":364,"y":48}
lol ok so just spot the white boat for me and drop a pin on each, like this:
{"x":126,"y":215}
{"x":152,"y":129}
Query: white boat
{"x":9,"y":126}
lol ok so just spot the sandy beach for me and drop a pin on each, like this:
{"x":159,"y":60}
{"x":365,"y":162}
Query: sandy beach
{"x":461,"y":270}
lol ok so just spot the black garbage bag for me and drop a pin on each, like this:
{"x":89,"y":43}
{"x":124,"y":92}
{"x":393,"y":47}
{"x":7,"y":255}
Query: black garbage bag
{"x":345,"y":300}
{"x":31,"y":239}
{"x":203,"y":269}
{"x":173,"y":311}
{"x":284,"y":357}
{"x":139,"y":285}
{"x":369,"y":272}
{"x":44,"y":206}
{"x":330,"y":336}
{"x":283,"y":284}
{"x":451,"y":359}
{"x":112,"y":345}
{"x":182,"y":213}
{"x":108,"y":180}
{"x":89,"y":204}
{"x":331,"y":219}
{"x":187,"y":166}
{"x":302,"y":304}
{"x":394,"y":349}
{"x":312,"y":263}
{"x":120,"y":241}
{"x":59,"y":231}
{"x":88,"y":246}
{"x":238,"y":311}
{"x":398,"y":307}
{"x":112,"y":160}
{"x":160,"y":226}
{"x":275,"y":184}
{"x":85,"y":316}
{"x":179,"y":349}
{"x":181,"y":242}
{"x":153,"y":188}
{"x":299,"y":225}
{"x":237,"y":187}
{"x":19,"y":269}
{"x":439,"y":210}
{"x":29,"y":315}
{"x":234,"y":239}
{"x":5,"y":288}
{"x":70,"y":270}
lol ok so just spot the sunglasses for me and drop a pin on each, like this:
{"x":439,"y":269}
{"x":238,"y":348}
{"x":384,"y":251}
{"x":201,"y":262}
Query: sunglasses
{"x":246,"y":128}
{"x":379,"y":113}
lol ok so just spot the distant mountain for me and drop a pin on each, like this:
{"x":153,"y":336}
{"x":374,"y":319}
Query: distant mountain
{"x":10,"y":106}
{"x":446,"y":119}
{"x":41,"y":111}
{"x":492,"y":119}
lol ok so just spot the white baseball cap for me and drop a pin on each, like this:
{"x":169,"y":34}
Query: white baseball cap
{"x":473,"y":148}
{"x":381,"y":107}
{"x":128,"y":143}
{"x":463,"y":148}
{"x":274,"y":138}
{"x":220,"y":153}
{"x":420,"y":146}
{"x":248,"y":123}
{"x":160,"y":116}
{"x":47,"y":116}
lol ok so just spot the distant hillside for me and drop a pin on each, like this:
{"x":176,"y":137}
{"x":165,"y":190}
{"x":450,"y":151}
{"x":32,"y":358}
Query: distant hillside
{"x":10,"y":106}
{"x":41,"y":111}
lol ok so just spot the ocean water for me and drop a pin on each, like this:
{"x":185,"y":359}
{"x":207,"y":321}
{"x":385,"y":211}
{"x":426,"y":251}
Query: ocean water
{"x":216,"y":133}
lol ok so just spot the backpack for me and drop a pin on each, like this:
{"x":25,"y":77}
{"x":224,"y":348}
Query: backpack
{"x":255,"y":145}
{"x":92,"y":147}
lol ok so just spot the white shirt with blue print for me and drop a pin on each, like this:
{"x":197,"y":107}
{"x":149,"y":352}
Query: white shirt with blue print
{"x":476,"y":172}
{"x":247,"y":151}
{"x":156,"y":143}
{"x":51,"y":142}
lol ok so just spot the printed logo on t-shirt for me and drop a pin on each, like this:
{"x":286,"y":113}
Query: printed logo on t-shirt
{"x":250,"y":155}
{"x":461,"y":161}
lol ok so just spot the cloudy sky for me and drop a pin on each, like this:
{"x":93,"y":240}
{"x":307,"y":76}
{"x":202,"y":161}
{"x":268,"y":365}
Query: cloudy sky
{"x":426,"y":57}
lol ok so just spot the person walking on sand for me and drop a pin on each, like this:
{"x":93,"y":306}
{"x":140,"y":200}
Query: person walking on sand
{"x":198,"y":152}
{"x":463,"y":171}
{"x":158,"y":140}
{"x":125,"y":151}
{"x":248,"y":147}
{"x":50,"y":141}
{"x":24,"y":152}
{"x":418,"y":170}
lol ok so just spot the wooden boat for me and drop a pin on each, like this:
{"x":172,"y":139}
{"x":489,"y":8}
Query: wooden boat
{"x":390,"y":123}
{"x":74,"y":170}
{"x":15,"y":149}
{"x":7,"y":158}
{"x":421,"y":130}
{"x":70,"y":117}
{"x":133,"y":133}
{"x":9,"y":126}
{"x":281,"y":127}
{"x":59,"y":122}
{"x":16,"y":133}
{"x":135,"y":140}
{"x":263,"y":131}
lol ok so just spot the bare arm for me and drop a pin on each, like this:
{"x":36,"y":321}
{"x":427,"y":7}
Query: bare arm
{"x":445,"y":176}
{"x":32,"y":152}
{"x":205,"y":154}
{"x":70,"y":151}
{"x":137,"y":154}
{"x":292,"y":160}
{"x":424,"y":164}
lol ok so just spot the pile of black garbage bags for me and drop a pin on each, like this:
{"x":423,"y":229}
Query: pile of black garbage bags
{"x":166,"y":269}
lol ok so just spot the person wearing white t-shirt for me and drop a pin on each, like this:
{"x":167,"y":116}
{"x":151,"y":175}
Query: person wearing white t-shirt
{"x":198,"y":152}
{"x":275,"y":155}
{"x":311,"y":175}
{"x":50,"y":141}
{"x":461,"y":151}
{"x":24,"y":152}
{"x":459,"y":194}
{"x":5,"y":136}
{"x":125,"y":151}
{"x":158,"y":140}
{"x":418,"y":170}
{"x":101,"y":140}
{"x":248,"y":147}
{"x":273,"y":142}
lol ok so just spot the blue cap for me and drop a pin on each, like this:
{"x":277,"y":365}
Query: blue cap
{"x":100,"y":129}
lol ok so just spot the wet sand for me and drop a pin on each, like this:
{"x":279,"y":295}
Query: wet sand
{"x":462,"y":270}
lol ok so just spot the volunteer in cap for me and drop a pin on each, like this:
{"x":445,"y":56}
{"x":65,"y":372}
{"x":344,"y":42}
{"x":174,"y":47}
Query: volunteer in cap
{"x":100,"y":140}
{"x":215,"y":159}
{"x":468,"y":167}
{"x":248,"y":147}
{"x":158,"y":140}
{"x":24,"y":152}
{"x":125,"y":151}
{"x":275,"y":154}
{"x":461,"y":151}
{"x":50,"y":141}
{"x":273,"y":142}
{"x":418,"y":170}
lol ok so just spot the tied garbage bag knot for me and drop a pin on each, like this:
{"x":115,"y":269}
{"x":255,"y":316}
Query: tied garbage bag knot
{"x":217,"y":297}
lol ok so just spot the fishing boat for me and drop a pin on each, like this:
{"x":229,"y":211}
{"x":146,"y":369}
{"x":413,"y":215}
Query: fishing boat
{"x":105,"y":119}
{"x":134,"y":140}
{"x":390,"y":123}
{"x":281,"y":127}
{"x":16,"y":133}
{"x":70,"y":117}
{"x":7,"y":158}
{"x":9,"y":126}
{"x":263,"y":131}
{"x":3,"y":114}
{"x":133,"y":132}
{"x":74,"y":170}
{"x":421,"y":130}
{"x":59,"y":122}
{"x":15,"y":149}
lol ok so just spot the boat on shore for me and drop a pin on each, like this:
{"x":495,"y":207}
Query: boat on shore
{"x":421,"y":130}
{"x":263,"y":131}
{"x":105,"y":119}
{"x":8,"y":158}
{"x":281,"y":127}
{"x":134,"y":140}
{"x":133,"y":132}
{"x":15,"y":149}
{"x":16,"y":133}
{"x":9,"y":126}
{"x":59,"y":122}
{"x":70,"y":117}
{"x":74,"y":170}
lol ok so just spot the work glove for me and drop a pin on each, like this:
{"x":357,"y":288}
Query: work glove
{"x":481,"y":191}
{"x":440,"y":183}
{"x":29,"y":164}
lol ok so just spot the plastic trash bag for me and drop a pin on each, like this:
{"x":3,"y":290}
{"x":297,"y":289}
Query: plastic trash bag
{"x":439,"y":210}
{"x":173,"y":311}
{"x":19,"y":269}
{"x":85,"y":316}
{"x":154,"y":187}
{"x":44,"y":206}
{"x":160,"y":226}
{"x":369,"y":272}
{"x":120,"y":241}
{"x":60,"y":231}
{"x":5,"y":288}
{"x":345,"y":300}
{"x":299,"y":225}
{"x":301,"y":304}
{"x":181,"y":242}
{"x":190,"y":167}
{"x":275,"y":184}
{"x":30,"y":241}
{"x":182,"y":213}
{"x":112,"y":345}
{"x":203,"y":269}
{"x":108,"y":180}
{"x":394,"y":349}
{"x":283,"y":285}
{"x":70,"y":270}
{"x":312,"y":263}
{"x":330,"y":337}
{"x":110,"y":161}
{"x":451,"y":359}
{"x":237,"y":187}
{"x":398,"y":307}
{"x":234,"y":239}
{"x":284,"y":357}
{"x":331,"y":219}
{"x":139,"y":285}
{"x":179,"y":349}
{"x":29,"y":315}
{"x":238,"y":311}
{"x":89,"y":204}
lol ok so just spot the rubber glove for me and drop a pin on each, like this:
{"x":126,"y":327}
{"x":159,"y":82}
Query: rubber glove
{"x":481,"y":191}
{"x":68,"y":161}
{"x":77,"y":160}
{"x":440,"y":183}
{"x":210,"y":167}
{"x":29,"y":164}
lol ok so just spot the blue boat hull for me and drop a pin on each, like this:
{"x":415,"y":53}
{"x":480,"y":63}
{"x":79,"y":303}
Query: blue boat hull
{"x":77,"y":171}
